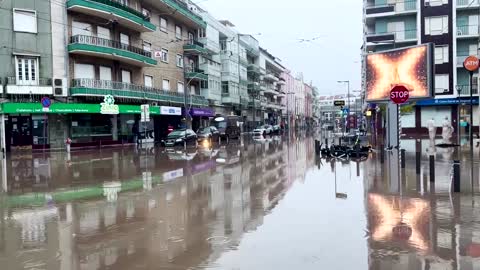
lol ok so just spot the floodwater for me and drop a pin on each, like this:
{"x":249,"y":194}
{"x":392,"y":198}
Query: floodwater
{"x":264,"y":204}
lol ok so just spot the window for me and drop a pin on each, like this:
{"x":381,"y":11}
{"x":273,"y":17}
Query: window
{"x":105,"y":73}
{"x":180,"y":87}
{"x":180,"y":60}
{"x":166,"y":85}
{"x":436,"y":25}
{"x":192,"y":90}
{"x":398,"y":29}
{"x":103,"y":32}
{"x":148,"y":81}
{"x":146,"y":12}
{"x":441,"y":83}
{"x":26,"y":70}
{"x":24,"y":20}
{"x":178,"y":32}
{"x":163,"y":24}
{"x":84,"y":71}
{"x":124,"y":39}
{"x":164,"y":57}
{"x":434,"y":3}
{"x":80,"y":28}
{"x":126,"y":76}
{"x":147,"y":46}
{"x":441,"y":54}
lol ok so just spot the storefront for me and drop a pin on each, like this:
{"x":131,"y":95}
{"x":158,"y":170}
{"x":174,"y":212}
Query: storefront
{"x":169,"y":117}
{"x":201,"y":117}
{"x":31,"y":126}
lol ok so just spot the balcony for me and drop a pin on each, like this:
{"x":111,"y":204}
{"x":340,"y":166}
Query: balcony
{"x":91,"y":87}
{"x":195,"y":74}
{"x":194,"y":47}
{"x":228,"y":98}
{"x":467,"y":31}
{"x":41,"y":86}
{"x":270,"y":90}
{"x":110,"y":49}
{"x":468,"y":4}
{"x":253,"y":68}
{"x":403,"y":7}
{"x":179,"y":11}
{"x":466,"y":90}
{"x":113,"y":11}
{"x":271,"y":77}
{"x":397,"y":37}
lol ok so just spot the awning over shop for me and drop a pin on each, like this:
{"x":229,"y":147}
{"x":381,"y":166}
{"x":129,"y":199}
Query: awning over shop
{"x":65,"y":108}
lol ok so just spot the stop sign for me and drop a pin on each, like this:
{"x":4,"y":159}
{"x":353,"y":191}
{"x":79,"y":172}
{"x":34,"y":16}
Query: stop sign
{"x":399,"y":94}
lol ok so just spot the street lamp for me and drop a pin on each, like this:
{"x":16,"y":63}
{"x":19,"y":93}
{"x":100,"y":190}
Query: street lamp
{"x":348,"y":100}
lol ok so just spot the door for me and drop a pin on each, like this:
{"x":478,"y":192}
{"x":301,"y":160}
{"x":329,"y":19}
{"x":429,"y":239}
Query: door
{"x":27,"y":71}
{"x":84,"y":75}
{"x":21,"y":130}
{"x":104,"y":36}
{"x":400,"y":5}
{"x":106,"y":77}
{"x":473,"y":25}
{"x":124,"y":39}
{"x":397,"y":28}
{"x":190,"y":37}
{"x":126,"y":77}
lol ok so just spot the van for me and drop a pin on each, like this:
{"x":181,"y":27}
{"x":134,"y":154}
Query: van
{"x":228,"y":126}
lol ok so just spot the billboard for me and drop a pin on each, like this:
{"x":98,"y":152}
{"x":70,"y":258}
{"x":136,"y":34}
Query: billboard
{"x":411,"y":67}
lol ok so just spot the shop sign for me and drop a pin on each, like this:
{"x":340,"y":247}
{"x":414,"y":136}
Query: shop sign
{"x":166,"y":110}
{"x":55,"y":108}
{"x":202,"y":112}
{"x":108,"y":106}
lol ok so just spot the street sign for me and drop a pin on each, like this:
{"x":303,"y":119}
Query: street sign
{"x":339,"y":103}
{"x":157,"y":54}
{"x":345,"y":111}
{"x":471,"y":63}
{"x":399,"y":94}
{"x":46,"y":103}
{"x":145,"y":113}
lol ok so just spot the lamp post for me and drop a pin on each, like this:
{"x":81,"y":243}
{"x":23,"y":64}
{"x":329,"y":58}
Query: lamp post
{"x":348,"y":100}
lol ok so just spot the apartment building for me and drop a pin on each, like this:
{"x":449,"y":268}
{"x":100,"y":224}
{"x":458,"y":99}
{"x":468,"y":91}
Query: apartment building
{"x":452,"y":26}
{"x":273,"y":82}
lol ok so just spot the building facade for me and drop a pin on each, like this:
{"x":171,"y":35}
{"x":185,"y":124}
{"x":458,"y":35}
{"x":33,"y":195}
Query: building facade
{"x":452,"y":26}
{"x":81,"y":69}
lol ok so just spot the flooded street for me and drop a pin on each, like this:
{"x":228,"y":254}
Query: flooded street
{"x":263,"y":204}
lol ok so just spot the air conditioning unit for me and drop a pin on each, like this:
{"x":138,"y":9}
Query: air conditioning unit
{"x":60,"y":87}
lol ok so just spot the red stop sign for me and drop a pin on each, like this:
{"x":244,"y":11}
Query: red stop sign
{"x":399,"y":94}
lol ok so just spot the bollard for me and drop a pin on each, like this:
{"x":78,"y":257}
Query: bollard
{"x":326,"y":142}
{"x":432,"y":168}
{"x":317,"y":147}
{"x":418,"y":162}
{"x":339,"y":140}
{"x":402,"y":156}
{"x":382,"y":153}
{"x":456,"y":176}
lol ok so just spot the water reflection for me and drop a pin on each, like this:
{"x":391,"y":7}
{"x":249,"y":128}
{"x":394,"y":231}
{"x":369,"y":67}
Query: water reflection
{"x":119,"y":209}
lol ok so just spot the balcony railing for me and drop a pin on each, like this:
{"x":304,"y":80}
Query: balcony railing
{"x":399,"y":36}
{"x":91,"y":40}
{"x":465,"y":89}
{"x":121,"y":6}
{"x":467,"y":30}
{"x":39,"y":82}
{"x":402,"y":6}
{"x":467,"y":3}
{"x":128,"y":90}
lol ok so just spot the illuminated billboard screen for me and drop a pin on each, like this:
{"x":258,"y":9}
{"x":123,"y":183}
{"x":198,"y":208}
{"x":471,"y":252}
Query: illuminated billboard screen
{"x":410,"y":67}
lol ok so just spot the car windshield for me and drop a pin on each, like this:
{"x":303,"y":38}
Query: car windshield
{"x":205,"y":130}
{"x":221,"y":124}
{"x":177,"y":133}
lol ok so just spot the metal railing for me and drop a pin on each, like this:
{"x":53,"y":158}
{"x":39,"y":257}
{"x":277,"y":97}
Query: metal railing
{"x":467,"y":3}
{"x":406,"y":5}
{"x":195,"y":42}
{"x":91,"y":40}
{"x":39,"y":82}
{"x":467,"y":30}
{"x":121,"y":6}
{"x":194,"y":70}
{"x":140,"y":89}
{"x":465,"y":89}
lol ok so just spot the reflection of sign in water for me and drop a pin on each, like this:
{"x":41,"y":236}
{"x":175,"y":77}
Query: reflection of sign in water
{"x":166,"y":110}
{"x":111,"y":189}
{"x":392,"y":218}
{"x":108,"y":106}
{"x":171,"y":175}
{"x":147,"y":180}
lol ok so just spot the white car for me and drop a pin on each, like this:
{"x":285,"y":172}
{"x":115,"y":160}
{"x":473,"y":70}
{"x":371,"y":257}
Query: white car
{"x":268,"y":129}
{"x":260,"y":131}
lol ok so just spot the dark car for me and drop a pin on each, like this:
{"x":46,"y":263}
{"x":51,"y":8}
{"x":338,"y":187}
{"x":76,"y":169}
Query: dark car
{"x":228,"y":126}
{"x":210,"y":134}
{"x":178,"y":137}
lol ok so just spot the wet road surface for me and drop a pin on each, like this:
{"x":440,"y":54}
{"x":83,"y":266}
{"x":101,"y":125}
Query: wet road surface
{"x":266,"y":204}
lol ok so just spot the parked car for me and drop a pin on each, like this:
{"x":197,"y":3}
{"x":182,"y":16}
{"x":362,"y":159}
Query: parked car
{"x":208,"y":133}
{"x":268,"y":129}
{"x":260,"y":131}
{"x":276,"y":129}
{"x":228,"y":126}
{"x":178,"y":137}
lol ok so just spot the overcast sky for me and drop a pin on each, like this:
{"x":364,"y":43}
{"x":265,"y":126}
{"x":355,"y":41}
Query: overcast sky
{"x":337,"y":26}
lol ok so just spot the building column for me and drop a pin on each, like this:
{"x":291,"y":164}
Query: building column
{"x":114,"y":120}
